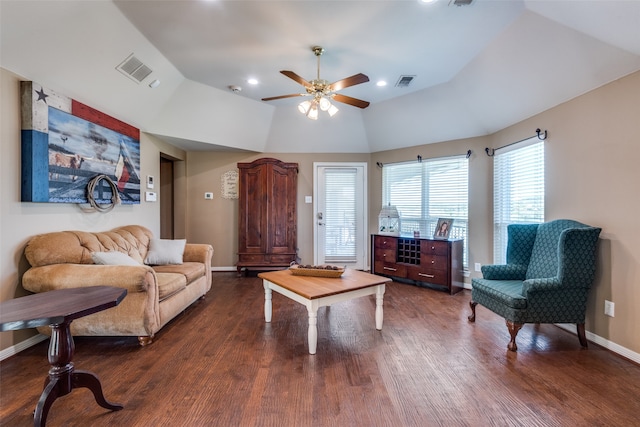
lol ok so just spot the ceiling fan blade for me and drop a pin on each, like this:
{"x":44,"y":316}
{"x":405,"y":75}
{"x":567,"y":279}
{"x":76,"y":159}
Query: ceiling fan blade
{"x":297,"y":78}
{"x":284,"y":96}
{"x":356,"y":79}
{"x":349,"y":100}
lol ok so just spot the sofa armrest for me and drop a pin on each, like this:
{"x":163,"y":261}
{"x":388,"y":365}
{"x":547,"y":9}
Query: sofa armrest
{"x":61,"y":276}
{"x":199,"y":252}
{"x":504,"y":272}
{"x":139,"y":311}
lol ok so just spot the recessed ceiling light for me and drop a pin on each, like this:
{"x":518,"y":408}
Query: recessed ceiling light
{"x":428,"y":1}
{"x":381,"y":83}
{"x":252,"y":81}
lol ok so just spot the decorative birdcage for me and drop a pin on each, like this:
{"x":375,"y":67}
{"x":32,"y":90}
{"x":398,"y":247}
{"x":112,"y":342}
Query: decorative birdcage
{"x":389,"y":221}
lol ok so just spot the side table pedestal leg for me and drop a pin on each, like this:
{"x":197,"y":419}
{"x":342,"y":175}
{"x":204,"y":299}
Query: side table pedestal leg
{"x":89,"y":380}
{"x":48,"y":396}
{"x":63,"y":378}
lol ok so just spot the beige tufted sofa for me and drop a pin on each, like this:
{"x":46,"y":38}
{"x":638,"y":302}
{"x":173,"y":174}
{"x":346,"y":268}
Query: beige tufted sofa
{"x":155,"y":294}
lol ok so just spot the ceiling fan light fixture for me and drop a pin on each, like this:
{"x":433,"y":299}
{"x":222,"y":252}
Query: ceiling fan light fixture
{"x":325,"y":104}
{"x":304,"y":106}
{"x":313,"y":111}
{"x":332,"y":110}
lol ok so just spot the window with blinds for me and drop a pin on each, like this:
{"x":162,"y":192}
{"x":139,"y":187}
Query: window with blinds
{"x":518,"y":190}
{"x":425,"y":191}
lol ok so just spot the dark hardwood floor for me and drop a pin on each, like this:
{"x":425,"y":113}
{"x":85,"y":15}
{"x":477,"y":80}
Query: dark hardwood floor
{"x":220,"y":364}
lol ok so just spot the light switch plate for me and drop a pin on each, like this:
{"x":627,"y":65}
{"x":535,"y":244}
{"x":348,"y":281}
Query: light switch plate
{"x":308,"y":199}
{"x":208,"y":196}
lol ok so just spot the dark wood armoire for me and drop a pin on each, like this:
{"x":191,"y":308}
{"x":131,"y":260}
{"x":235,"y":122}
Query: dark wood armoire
{"x":267,"y":225}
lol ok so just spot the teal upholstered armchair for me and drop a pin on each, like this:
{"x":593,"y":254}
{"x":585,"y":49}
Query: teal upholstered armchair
{"x":549,"y":271}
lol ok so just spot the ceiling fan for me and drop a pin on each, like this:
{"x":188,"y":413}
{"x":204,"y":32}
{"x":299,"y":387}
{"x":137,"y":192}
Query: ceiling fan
{"x":322,"y":91}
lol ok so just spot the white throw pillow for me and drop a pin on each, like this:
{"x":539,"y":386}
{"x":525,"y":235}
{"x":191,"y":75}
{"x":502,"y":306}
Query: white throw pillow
{"x":165,"y":251}
{"x":113,"y":258}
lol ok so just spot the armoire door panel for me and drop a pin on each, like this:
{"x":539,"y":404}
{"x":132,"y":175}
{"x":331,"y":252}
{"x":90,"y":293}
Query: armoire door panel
{"x":254,"y":216}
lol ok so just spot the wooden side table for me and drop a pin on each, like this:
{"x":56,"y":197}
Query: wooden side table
{"x":58,"y":309}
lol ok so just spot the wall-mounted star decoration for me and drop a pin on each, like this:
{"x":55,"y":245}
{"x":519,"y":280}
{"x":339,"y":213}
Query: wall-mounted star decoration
{"x":41,"y":95}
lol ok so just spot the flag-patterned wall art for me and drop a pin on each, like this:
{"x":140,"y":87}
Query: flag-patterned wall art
{"x":65,"y":144}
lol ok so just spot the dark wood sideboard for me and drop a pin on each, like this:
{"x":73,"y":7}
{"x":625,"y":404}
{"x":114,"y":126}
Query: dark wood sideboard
{"x":421,"y":261}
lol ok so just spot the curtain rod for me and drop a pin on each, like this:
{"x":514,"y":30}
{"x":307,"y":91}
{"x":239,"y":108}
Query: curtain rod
{"x":419,"y":158}
{"x":491,"y":151}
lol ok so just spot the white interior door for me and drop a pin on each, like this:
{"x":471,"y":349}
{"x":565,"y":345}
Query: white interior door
{"x":340,"y":220}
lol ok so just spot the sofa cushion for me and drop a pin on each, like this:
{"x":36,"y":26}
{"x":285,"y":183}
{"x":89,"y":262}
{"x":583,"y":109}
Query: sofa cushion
{"x":165,"y":251}
{"x":190,"y":270}
{"x":113,"y":258}
{"x":169,"y":284}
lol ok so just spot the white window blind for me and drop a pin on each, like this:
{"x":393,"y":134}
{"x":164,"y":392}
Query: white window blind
{"x":340,"y":214}
{"x":425,"y":191}
{"x":518,"y":190}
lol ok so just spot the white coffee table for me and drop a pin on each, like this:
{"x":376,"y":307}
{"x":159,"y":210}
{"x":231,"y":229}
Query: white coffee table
{"x":315,"y":292}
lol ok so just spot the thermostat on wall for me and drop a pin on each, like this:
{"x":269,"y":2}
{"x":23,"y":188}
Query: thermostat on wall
{"x":150,"y":196}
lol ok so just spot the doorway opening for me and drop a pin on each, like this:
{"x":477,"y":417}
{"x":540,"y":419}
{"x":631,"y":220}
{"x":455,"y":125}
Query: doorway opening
{"x":167,"y":213}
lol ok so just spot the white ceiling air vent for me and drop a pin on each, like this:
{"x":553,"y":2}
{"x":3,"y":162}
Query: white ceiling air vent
{"x":460,"y":2}
{"x":133,"y":68}
{"x":404,"y":81}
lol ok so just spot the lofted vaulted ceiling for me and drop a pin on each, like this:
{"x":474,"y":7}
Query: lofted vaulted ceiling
{"x":477,"y":69}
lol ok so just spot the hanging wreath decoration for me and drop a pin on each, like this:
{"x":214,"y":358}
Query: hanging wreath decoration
{"x":115,"y":196}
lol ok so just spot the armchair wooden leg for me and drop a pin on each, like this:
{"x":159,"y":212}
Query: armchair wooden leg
{"x":513,"y":328}
{"x":581,"y":335}
{"x":472,"y":317}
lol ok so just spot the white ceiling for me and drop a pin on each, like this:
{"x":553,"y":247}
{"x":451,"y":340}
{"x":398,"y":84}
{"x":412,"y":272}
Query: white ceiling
{"x":478,"y":68}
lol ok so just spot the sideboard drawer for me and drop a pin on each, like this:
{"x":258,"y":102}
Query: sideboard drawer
{"x":386,"y":255}
{"x":434,"y":247}
{"x":384,"y":242}
{"x":434,"y":262}
{"x":390,"y":269}
{"x":436,"y":277}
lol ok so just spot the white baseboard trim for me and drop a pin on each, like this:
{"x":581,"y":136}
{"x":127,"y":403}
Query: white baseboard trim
{"x":15,"y":349}
{"x":231,"y":268}
{"x":622,"y":351}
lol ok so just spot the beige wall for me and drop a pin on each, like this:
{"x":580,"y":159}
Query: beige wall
{"x":20,"y":221}
{"x":216,"y":221}
{"x":590,"y":176}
